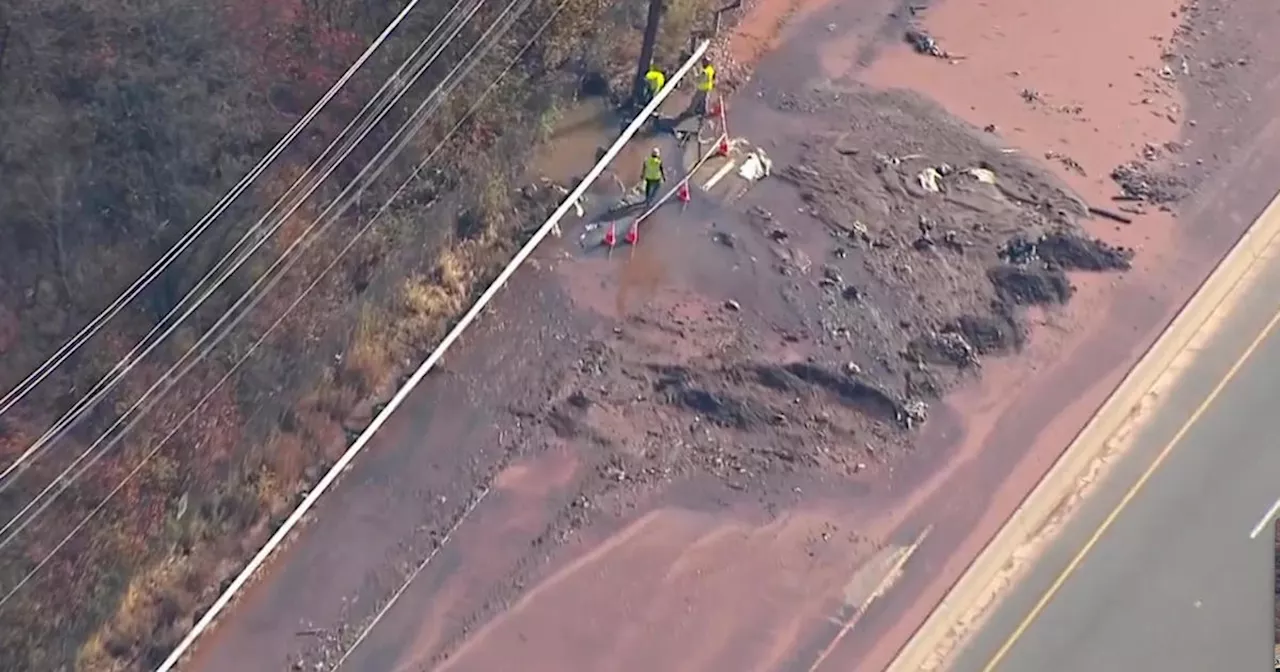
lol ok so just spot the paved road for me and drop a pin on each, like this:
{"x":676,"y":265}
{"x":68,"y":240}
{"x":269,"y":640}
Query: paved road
{"x":1174,"y":581}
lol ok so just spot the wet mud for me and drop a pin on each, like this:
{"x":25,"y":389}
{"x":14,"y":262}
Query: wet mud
{"x":709,"y":434}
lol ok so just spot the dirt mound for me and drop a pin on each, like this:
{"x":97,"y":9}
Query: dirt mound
{"x":780,"y":352}
{"x":1138,"y":182}
{"x":1068,"y":251}
{"x":849,"y":388}
{"x":994,"y":333}
{"x":943,"y":347}
{"x":1030,"y":285}
{"x":679,"y":387}
{"x":747,"y":397}
{"x":944,"y":235}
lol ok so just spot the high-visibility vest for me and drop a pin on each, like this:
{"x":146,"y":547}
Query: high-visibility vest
{"x":653,"y":168}
{"x":656,"y":79}
{"x":708,"y":79}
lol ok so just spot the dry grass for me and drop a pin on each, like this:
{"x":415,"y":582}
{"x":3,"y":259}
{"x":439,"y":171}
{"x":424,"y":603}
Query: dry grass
{"x":167,"y":593}
{"x":369,"y":357}
{"x":679,"y":21}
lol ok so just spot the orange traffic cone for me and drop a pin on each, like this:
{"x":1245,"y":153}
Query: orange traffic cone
{"x":611,"y":236}
{"x":682,"y":192}
{"x":633,"y":234}
{"x":723,"y":148}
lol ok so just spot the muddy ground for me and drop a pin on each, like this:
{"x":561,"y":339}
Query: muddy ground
{"x":915,"y":248}
{"x":704,"y":434}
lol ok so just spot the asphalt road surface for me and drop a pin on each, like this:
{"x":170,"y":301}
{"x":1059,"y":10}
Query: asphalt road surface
{"x":1173,"y":573}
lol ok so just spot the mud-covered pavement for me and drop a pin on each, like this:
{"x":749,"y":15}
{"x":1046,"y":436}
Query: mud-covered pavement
{"x":692,"y":455}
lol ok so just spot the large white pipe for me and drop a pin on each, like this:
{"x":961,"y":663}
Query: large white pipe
{"x":323,"y":485}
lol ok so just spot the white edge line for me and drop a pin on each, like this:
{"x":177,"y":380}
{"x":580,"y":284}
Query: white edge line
{"x":1266,"y":518}
{"x":395,"y":597}
{"x":356,"y":447}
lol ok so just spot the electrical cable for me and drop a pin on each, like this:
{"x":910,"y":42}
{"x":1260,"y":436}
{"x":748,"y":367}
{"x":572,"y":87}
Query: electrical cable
{"x":15,"y":395}
{"x":150,"y":398}
{"x":127,"y":363}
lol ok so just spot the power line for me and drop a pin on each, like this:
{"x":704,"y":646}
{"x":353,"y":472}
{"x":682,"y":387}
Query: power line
{"x":169,"y":379}
{"x":168,"y":376}
{"x":33,"y":379}
{"x":280,"y":320}
{"x":468,"y":318}
{"x":122,"y":368}
{"x":151,"y":342}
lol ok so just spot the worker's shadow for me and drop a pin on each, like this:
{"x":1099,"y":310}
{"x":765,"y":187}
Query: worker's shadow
{"x":620,"y":210}
{"x":633,"y":204}
{"x":657,"y":125}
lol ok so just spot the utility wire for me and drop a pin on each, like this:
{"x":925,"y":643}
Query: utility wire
{"x":166,"y":377}
{"x":169,"y":379}
{"x":15,"y":395}
{"x":152,"y":341}
{"x":344,"y":462}
{"x":298,"y":300}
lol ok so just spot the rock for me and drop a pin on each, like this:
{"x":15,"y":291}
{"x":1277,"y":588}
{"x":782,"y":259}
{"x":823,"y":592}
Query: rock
{"x":1074,"y":252}
{"x":913,"y":413}
{"x":928,"y":180}
{"x":733,"y":305}
{"x":924,"y":43}
{"x":579,"y":400}
{"x":1018,"y":250}
{"x":952,"y":240}
{"x":1139,"y":183}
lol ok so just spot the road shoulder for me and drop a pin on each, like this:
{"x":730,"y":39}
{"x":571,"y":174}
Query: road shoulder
{"x":1238,"y":282}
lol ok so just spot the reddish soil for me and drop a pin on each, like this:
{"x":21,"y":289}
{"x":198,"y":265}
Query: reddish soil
{"x":682,"y":457}
{"x":1111,"y":325}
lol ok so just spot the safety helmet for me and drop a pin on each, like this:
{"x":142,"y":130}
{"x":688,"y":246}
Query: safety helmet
{"x":655,"y":152}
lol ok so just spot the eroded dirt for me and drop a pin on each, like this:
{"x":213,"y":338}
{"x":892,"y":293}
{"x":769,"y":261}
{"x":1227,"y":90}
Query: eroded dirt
{"x":1174,"y":87}
{"x":799,"y":359}
{"x":675,"y":433}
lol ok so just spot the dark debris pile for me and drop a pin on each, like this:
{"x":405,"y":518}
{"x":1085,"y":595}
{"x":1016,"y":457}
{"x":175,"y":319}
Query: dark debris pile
{"x":1139,"y":183}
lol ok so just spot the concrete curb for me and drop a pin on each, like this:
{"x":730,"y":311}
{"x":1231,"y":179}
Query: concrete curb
{"x":1038,"y":507}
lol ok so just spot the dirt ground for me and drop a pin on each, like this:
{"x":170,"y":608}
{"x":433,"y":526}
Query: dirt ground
{"x":694,"y":454}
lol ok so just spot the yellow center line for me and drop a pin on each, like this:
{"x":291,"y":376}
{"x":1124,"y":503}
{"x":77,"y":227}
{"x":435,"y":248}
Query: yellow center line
{"x":1133,"y":491}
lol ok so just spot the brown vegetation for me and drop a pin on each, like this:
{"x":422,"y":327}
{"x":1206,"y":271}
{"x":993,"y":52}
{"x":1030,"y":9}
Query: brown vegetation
{"x":120,"y":125}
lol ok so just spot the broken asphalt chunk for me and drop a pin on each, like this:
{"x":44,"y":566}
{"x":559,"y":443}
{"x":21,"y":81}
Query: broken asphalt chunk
{"x":924,"y":43}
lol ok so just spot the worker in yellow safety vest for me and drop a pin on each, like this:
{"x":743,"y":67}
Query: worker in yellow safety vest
{"x":706,"y":84}
{"x":654,"y":81}
{"x":653,"y":175}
